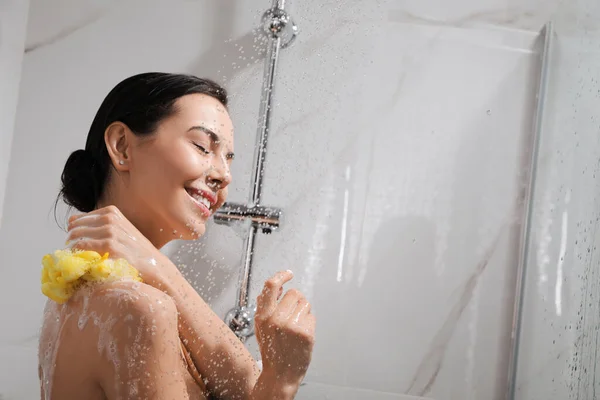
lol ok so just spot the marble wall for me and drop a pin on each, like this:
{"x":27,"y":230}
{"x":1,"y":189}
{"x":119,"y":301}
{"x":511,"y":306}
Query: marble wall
{"x":400,"y":150}
{"x":13,"y":26}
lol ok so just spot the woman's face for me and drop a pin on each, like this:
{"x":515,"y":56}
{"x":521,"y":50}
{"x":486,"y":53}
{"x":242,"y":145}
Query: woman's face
{"x":179,"y":175}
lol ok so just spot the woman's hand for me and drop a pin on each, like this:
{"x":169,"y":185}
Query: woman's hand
{"x":285,"y":331}
{"x":106,"y":230}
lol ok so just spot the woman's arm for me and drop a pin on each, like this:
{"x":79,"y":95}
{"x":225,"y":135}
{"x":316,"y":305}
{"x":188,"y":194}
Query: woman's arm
{"x":270,"y":386}
{"x":221,"y":358}
{"x":285,"y":332}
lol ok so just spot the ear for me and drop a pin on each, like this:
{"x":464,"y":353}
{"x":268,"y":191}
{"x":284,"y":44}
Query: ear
{"x":118,"y":143}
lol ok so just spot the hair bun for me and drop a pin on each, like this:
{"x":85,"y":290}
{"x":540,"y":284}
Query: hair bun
{"x":80,"y":188}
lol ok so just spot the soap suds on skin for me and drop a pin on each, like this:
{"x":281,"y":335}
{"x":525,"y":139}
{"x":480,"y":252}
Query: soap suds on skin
{"x":57,"y":316}
{"x":55,"y":319}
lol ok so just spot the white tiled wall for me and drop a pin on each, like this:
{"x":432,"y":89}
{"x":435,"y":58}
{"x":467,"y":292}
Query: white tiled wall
{"x":399,"y":150}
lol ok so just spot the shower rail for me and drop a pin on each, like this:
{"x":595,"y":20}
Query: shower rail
{"x":281,"y":32}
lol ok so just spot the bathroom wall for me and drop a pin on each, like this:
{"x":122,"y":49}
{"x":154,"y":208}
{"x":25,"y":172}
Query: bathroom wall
{"x":13,"y":27}
{"x":558,"y":357}
{"x":399,"y":153}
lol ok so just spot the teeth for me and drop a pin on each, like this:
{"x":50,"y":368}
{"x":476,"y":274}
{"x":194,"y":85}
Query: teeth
{"x":202,"y":200}
{"x":205,"y":202}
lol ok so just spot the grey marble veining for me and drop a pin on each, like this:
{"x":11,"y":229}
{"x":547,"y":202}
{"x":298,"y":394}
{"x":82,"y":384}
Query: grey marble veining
{"x":430,"y":365}
{"x":65,"y":32}
{"x":71,"y":17}
{"x":396,"y":153}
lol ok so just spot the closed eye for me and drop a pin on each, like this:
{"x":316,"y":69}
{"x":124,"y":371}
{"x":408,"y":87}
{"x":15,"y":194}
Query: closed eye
{"x":201,"y":148}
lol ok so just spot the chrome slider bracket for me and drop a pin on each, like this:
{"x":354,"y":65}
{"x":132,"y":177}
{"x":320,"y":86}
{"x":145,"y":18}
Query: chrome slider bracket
{"x":267,"y":219}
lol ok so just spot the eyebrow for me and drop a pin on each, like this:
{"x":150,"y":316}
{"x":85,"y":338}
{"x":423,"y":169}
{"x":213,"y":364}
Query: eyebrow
{"x":213,"y":136}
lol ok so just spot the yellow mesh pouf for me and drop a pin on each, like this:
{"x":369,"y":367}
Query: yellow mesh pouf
{"x":64,"y":271}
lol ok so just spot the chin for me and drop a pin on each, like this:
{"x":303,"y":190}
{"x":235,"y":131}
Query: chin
{"x":192,"y":230}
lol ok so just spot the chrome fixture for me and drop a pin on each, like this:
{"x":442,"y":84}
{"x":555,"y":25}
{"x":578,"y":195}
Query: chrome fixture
{"x":278,"y":24}
{"x":265,"y":218}
{"x":281,"y":32}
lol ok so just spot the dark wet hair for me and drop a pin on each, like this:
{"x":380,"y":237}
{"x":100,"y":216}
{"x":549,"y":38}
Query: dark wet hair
{"x":141,"y":102}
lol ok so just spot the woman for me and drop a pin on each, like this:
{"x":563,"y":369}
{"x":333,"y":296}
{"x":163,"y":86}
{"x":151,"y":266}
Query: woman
{"x":156,"y":166}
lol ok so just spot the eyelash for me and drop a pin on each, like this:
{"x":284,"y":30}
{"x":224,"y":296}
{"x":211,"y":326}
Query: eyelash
{"x":201,"y":148}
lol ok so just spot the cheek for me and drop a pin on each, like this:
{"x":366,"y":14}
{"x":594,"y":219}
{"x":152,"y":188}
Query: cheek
{"x":182,"y":166}
{"x":157,"y":176}
{"x":190,"y":165}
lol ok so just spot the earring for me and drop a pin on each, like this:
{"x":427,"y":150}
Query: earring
{"x":121,"y":162}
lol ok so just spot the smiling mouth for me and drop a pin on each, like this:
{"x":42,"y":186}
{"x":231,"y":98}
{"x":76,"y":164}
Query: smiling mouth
{"x":202,"y":200}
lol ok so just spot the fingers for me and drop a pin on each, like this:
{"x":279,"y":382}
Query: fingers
{"x":293,"y":306}
{"x":102,"y":239}
{"x":309,"y":323}
{"x":99,"y":216}
{"x":301,"y":310}
{"x":293,"y":314}
{"x":289,"y":303}
{"x":102,"y":218}
{"x":90,"y":232}
{"x":86,"y":220}
{"x":98,"y":245}
{"x":267,"y":300}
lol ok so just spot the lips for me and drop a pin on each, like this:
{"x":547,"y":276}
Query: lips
{"x":204,"y":199}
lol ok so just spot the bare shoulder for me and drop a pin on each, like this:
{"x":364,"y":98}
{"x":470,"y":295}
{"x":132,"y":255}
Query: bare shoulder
{"x":130,"y":312}
{"x":103,"y":336}
{"x":135,"y":326}
{"x":114,"y":316}
{"x":138,"y":299}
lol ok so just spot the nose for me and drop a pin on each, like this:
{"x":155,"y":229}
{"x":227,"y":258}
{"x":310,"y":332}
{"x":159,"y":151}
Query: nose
{"x":219,"y":174}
